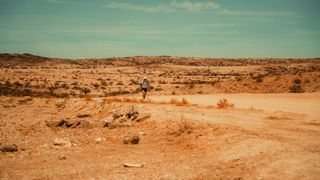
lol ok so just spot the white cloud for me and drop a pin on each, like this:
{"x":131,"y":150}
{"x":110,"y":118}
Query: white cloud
{"x":129,"y":6}
{"x":254,"y":13}
{"x":174,"y":5}
{"x":196,"y":6}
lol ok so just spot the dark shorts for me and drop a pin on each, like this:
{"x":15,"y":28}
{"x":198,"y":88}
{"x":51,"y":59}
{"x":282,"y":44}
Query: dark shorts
{"x":144,"y":89}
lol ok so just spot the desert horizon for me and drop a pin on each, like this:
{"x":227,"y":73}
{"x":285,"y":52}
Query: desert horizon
{"x":133,"y":56}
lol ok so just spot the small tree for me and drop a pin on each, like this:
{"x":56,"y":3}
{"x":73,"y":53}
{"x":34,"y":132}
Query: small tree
{"x":86,"y":91}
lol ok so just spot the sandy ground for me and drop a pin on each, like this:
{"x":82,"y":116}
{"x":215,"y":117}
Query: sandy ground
{"x":265,"y":136}
{"x":306,"y":103}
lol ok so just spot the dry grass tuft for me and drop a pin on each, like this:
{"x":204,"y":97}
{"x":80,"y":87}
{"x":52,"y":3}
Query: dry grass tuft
{"x":223,"y":104}
{"x":183,"y":102}
{"x":180,"y":127}
{"x":184,"y":126}
{"x":279,"y":117}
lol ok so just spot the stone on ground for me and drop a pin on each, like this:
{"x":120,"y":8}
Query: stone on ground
{"x":9,"y":148}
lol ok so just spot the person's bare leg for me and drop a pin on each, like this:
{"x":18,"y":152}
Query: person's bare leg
{"x":144,"y":94}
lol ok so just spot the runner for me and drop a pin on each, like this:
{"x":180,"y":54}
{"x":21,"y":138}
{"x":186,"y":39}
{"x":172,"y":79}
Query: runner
{"x":144,"y":87}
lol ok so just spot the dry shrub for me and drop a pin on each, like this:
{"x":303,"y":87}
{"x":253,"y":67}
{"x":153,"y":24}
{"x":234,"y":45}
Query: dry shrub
{"x":85,"y":91}
{"x":278,"y":117}
{"x":184,"y":126}
{"x":296,"y":88}
{"x":183,"y":102}
{"x":177,"y":128}
{"x":296,"y":81}
{"x":223,"y":104}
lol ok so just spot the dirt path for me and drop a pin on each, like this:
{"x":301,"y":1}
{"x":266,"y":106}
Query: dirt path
{"x":306,"y":103}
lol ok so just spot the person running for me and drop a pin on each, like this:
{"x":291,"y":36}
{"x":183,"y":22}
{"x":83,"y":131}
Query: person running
{"x":144,"y":87}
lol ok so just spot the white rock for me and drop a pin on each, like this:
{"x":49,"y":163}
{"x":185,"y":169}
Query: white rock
{"x":65,"y":142}
{"x":133,"y":165}
{"x":61,"y":103}
{"x":98,"y":139}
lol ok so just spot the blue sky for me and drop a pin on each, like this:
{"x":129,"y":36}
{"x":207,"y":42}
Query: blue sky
{"x":200,"y":28}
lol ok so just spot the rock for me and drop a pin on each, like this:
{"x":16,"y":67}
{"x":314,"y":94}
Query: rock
{"x":83,"y":115}
{"x":81,"y":124}
{"x":134,"y":139}
{"x":62,"y":157}
{"x":143,"y":117}
{"x":125,"y":113}
{"x":25,"y":99}
{"x":9,"y":105}
{"x":111,"y":123}
{"x":133,"y":165}
{"x":122,"y":119}
{"x":9,"y":148}
{"x":126,"y":139}
{"x":116,"y":114}
{"x":69,"y":123}
{"x":76,"y":124}
{"x":107,"y":121}
{"x":142,"y":133}
{"x":131,"y":139}
{"x":134,"y":117}
{"x":132,"y":113}
{"x":106,"y":124}
{"x":61,"y":103}
{"x":117,"y":125}
{"x":58,"y":123}
{"x":65,"y":142}
{"x":98,"y":139}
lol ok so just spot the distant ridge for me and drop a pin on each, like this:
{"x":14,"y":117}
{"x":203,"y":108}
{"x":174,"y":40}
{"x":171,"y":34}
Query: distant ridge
{"x":30,"y":60}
